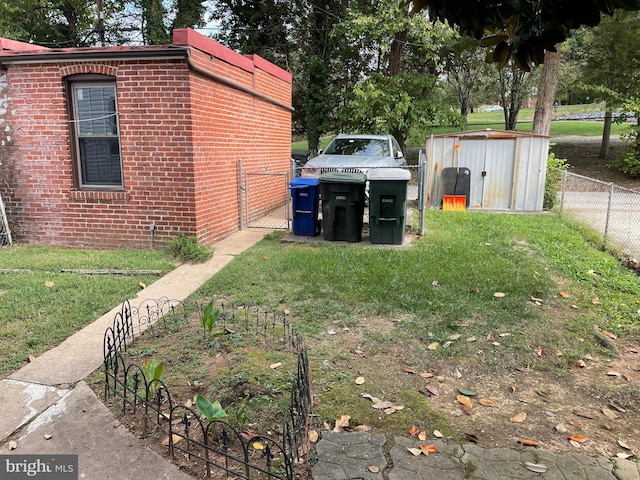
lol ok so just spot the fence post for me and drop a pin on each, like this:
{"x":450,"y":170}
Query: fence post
{"x":421,"y":189}
{"x":606,"y":225}
{"x":240,"y":194}
{"x":562,"y":187}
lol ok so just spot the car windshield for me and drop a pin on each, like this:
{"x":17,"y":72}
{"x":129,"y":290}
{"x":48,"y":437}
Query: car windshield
{"x":358,"y":146}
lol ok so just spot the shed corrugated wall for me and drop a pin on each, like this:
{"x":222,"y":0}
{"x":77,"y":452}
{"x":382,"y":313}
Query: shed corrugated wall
{"x":508,"y":169}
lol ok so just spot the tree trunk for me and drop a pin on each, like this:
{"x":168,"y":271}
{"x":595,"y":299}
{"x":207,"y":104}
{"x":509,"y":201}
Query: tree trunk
{"x":546,"y":92}
{"x":606,"y":134}
{"x":397,"y":45}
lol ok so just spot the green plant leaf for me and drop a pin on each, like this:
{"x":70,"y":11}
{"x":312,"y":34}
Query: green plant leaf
{"x":155,"y":369}
{"x":208,"y":317}
{"x":211,"y":411}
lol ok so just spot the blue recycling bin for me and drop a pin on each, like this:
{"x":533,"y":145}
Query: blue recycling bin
{"x":305,"y":199}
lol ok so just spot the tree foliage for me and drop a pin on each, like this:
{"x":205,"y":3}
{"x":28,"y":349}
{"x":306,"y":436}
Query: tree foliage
{"x":521,"y":30}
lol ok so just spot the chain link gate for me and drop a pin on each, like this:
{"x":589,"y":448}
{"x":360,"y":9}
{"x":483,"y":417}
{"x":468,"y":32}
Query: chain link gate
{"x":264,"y":200}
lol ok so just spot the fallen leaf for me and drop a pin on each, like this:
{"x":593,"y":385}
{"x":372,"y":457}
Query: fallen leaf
{"x":397,"y":407}
{"x":486,"y":403}
{"x":575,"y":307}
{"x":535,"y":467}
{"x":560,"y":428}
{"x":464,"y":400}
{"x":471,"y":339}
{"x":471,"y":437}
{"x":248,"y":434}
{"x":467,"y":409}
{"x":583,"y":414}
{"x":358,"y":352}
{"x":574,"y":443}
{"x":389,"y":411}
{"x":433,"y":346}
{"x":48,"y":436}
{"x":32,"y":358}
{"x":437,"y":434}
{"x":528,"y":442}
{"x":313,"y":436}
{"x":361,"y":428}
{"x":257,"y":446}
{"x":455,"y":336}
{"x":266,"y":257}
{"x":49,"y":284}
{"x":540,"y":352}
{"x":578,"y":438}
{"x":414,"y":430}
{"x":373,"y":469}
{"x":499,"y":294}
{"x":433,"y":390}
{"x":174,"y":439}
{"x":457,"y":374}
{"x":518,"y":418}
{"x":428,"y":448}
{"x":422,"y":436}
{"x":607,"y":427}
{"x":142,"y":285}
{"x":381,"y":405}
{"x":468,"y":393}
{"x":415,"y":451}
{"x":578,"y":363}
{"x":611,"y":373}
{"x":426,"y":374}
{"x":564,"y":294}
{"x":617,"y":406}
{"x":331,"y":332}
{"x":505,"y":334}
{"x":446,"y":344}
{"x":624,"y":445}
{"x":595,"y":301}
{"x":359,"y":380}
{"x":341,"y":423}
{"x":609,"y":334}
{"x":576,"y":423}
{"x":609,"y":413}
{"x":12,"y":445}
{"x":408,"y":370}
{"x":275,"y":365}
{"x":624,"y":456}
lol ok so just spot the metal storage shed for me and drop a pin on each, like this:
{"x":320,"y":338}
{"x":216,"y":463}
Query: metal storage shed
{"x":495,"y":169}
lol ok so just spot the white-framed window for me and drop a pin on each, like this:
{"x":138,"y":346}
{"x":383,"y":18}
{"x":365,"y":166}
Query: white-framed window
{"x":95,"y":133}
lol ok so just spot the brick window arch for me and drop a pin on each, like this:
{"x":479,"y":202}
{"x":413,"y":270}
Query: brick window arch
{"x":95,"y":132}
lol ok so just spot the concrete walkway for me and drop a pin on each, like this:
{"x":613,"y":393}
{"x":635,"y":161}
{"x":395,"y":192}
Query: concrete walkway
{"x":47,"y":408}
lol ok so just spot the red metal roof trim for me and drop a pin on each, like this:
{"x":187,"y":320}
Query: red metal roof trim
{"x":7,"y":45}
{"x":191,"y":38}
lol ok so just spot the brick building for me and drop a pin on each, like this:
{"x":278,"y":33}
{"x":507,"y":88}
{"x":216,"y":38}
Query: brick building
{"x":129,"y":146}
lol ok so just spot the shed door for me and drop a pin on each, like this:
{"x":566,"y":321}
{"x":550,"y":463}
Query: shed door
{"x":491,"y":165}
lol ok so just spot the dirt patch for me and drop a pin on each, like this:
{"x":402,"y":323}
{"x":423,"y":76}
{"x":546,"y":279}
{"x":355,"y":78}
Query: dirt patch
{"x":582,"y":155}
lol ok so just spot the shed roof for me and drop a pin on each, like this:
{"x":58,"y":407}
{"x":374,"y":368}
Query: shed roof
{"x":490,"y":133}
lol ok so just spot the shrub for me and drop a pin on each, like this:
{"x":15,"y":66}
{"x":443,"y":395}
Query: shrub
{"x":188,"y":249}
{"x":555,"y":166}
{"x":629,"y":163}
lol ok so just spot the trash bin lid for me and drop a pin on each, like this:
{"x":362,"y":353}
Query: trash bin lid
{"x":303,"y":182}
{"x":389,"y":174}
{"x":343,"y":177}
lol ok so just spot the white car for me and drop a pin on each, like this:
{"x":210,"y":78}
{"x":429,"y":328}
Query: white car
{"x":356,"y":153}
{"x":493,"y":108}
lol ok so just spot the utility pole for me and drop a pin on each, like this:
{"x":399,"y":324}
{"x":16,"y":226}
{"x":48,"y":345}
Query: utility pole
{"x":100,"y":26}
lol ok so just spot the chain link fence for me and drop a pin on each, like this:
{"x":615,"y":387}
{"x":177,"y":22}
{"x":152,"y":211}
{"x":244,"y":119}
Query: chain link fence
{"x":611,"y":210}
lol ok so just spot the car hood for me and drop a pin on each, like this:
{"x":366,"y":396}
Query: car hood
{"x":350,"y":161}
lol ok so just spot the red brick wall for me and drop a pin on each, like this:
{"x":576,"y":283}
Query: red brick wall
{"x":181,"y":133}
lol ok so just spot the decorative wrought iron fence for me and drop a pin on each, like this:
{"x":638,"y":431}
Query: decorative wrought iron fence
{"x":214,"y":445}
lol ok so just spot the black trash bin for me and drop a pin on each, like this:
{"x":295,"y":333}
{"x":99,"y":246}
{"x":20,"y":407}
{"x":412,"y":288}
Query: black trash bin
{"x":305,"y":199}
{"x":342,"y":205}
{"x":388,"y":205}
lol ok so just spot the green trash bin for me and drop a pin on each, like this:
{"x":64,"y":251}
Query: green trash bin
{"x":388,"y":205}
{"x":342,"y":197}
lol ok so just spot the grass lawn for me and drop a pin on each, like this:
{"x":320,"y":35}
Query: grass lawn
{"x":40,"y":306}
{"x":502,"y":306}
